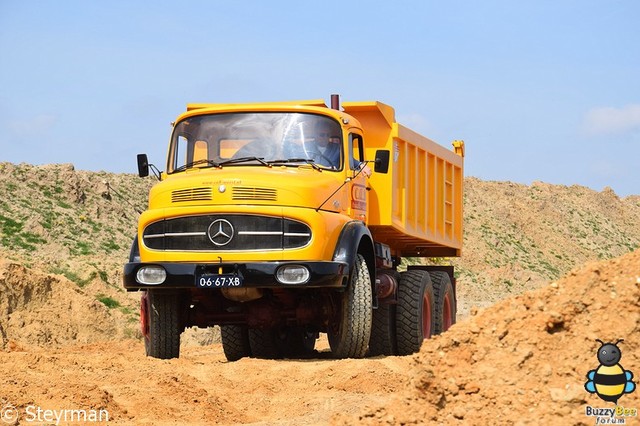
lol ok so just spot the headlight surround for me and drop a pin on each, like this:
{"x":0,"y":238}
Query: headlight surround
{"x":293,"y":274}
{"x":151,"y":275}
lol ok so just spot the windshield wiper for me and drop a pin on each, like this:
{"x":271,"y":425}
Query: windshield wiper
{"x":194,"y":163}
{"x":244,"y":160}
{"x":309,"y":161}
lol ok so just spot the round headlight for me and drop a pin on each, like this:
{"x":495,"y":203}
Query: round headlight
{"x":293,"y":274}
{"x":151,"y":275}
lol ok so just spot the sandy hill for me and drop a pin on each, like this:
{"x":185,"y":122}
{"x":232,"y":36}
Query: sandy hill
{"x":77,"y":226}
{"x":518,"y":237}
{"x":552,"y":268}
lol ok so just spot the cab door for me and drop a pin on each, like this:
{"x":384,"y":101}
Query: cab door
{"x":358,"y":171}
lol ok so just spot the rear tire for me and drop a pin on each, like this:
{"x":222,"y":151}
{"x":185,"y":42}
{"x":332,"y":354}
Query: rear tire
{"x":350,"y":329}
{"x":235,"y":341}
{"x":163,"y":324}
{"x":383,"y":331}
{"x":445,"y":302}
{"x":414,"y":312}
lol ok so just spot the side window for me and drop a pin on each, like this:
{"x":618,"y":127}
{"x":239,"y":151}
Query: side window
{"x":356,"y":151}
{"x":180,"y":157}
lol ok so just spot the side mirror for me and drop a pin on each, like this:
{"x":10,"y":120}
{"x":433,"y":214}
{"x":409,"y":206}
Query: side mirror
{"x":143,"y":165}
{"x":382,"y":161}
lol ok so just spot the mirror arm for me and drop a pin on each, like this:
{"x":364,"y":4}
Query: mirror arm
{"x":155,"y":171}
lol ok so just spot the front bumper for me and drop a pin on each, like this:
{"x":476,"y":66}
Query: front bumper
{"x":259,"y":274}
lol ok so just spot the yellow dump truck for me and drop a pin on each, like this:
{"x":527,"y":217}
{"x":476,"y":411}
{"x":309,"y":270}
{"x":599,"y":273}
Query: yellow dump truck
{"x":281,"y":221}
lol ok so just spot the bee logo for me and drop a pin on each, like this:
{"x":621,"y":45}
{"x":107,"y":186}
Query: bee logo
{"x":609,"y":381}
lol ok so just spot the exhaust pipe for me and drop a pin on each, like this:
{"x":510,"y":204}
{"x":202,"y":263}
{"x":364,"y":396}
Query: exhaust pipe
{"x":335,"y":102}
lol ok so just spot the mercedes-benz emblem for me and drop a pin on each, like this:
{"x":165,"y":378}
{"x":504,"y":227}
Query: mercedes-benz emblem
{"x":220,"y":232}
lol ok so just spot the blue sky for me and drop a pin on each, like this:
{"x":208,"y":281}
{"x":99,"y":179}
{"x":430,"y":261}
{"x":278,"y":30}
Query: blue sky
{"x":539,"y":90}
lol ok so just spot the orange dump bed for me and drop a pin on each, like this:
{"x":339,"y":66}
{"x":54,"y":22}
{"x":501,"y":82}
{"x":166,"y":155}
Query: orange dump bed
{"x":416,"y":208}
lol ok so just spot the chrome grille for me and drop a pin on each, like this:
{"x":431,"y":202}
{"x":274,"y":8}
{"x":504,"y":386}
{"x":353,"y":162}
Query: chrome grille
{"x":191,"y":194}
{"x":249,"y":193}
{"x":226,"y":233}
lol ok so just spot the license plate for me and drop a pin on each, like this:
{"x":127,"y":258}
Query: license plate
{"x":207,"y":280}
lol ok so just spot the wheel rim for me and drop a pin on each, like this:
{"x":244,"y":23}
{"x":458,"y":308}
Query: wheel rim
{"x":447,"y":316}
{"x":426,"y":316}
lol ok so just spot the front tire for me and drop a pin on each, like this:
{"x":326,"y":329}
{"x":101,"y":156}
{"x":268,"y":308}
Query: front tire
{"x":265,"y":343}
{"x":235,"y":341}
{"x":350,"y":329}
{"x":162,"y":338}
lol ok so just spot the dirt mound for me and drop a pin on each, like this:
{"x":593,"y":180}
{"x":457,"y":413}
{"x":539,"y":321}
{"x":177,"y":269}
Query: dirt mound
{"x":73,"y":224}
{"x":48,"y":310}
{"x":522,"y":361}
{"x":200,"y":387}
{"x":525,"y":359}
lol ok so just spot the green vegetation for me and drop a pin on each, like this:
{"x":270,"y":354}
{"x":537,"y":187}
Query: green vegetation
{"x":82,"y":248}
{"x":63,"y":204}
{"x":14,"y":238}
{"x":133,"y":314}
{"x":48,"y":218}
{"x":9,"y":226}
{"x":72,"y":276}
{"x":110,"y":246}
{"x":108,"y":301}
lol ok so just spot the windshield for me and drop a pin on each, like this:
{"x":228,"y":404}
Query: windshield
{"x":240,"y":139}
